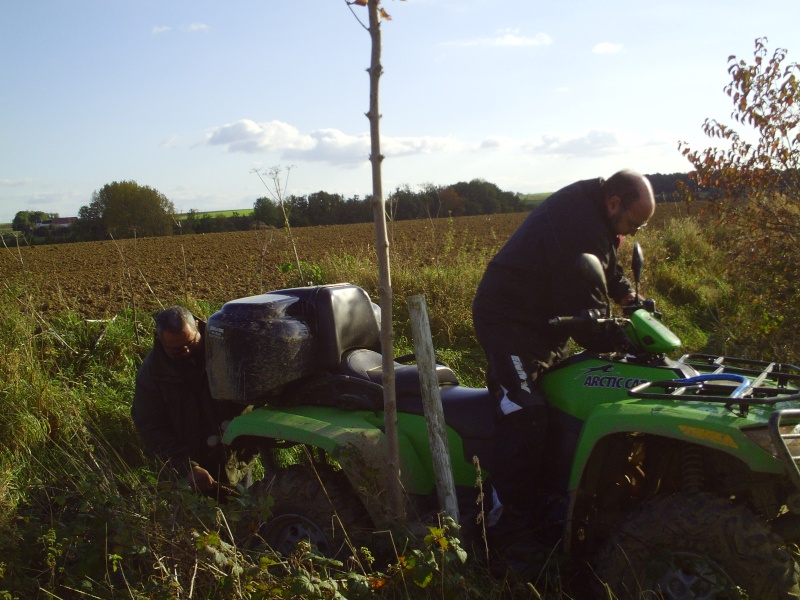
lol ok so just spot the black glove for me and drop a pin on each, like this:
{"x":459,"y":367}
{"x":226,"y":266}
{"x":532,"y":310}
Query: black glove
{"x":646,"y":303}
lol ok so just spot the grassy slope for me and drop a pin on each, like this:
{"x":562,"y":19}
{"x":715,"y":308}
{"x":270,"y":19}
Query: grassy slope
{"x":243,"y":212}
{"x":533,"y":200}
{"x":79,"y":505}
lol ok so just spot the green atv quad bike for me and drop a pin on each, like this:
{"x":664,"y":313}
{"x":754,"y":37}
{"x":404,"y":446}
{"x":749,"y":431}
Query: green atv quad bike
{"x":677,"y":477}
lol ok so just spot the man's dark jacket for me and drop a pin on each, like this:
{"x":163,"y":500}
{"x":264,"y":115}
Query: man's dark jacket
{"x":176,"y":416}
{"x":533,"y":277}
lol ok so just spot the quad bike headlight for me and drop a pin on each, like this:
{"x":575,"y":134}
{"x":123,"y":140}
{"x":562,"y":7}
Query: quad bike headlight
{"x":762,"y":438}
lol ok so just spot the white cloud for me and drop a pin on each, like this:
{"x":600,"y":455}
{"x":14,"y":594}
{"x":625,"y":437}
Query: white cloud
{"x":332,"y":146}
{"x":507,"y":38}
{"x":195,"y":27}
{"x":406,"y":146}
{"x":591,"y":144}
{"x":607,"y":48}
{"x":497,"y":142}
{"x":322,"y":145}
{"x":169,"y":142}
{"x":15,"y":182}
{"x":191,"y":28}
{"x":248,"y":136}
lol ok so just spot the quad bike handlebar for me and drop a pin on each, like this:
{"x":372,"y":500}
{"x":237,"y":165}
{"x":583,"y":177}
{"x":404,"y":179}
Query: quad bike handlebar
{"x":592,"y":316}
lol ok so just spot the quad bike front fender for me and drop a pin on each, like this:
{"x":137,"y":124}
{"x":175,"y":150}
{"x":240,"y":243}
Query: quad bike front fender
{"x":710,"y":425}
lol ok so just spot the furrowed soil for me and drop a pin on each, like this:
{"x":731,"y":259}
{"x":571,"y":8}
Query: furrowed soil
{"x":98,"y":279}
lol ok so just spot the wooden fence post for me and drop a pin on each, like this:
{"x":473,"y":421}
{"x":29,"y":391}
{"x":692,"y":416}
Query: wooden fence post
{"x":432,"y":405}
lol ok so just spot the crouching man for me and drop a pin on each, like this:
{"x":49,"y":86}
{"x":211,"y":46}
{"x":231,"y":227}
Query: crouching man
{"x":175,"y":416}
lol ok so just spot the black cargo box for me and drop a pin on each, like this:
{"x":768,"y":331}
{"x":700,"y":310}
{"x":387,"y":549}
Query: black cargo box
{"x":257,"y":344}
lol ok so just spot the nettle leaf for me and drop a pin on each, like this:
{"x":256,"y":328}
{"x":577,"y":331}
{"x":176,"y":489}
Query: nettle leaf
{"x":423,"y":581}
{"x":437,"y":534}
{"x":303,"y":586}
{"x":209,"y":539}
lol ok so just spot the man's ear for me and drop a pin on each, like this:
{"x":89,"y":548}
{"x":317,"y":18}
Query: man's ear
{"x":613,"y":205}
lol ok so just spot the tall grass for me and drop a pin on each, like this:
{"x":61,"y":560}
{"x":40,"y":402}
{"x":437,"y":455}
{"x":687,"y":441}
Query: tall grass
{"x":448,"y":278}
{"x":82,"y":513}
{"x":686,"y":275}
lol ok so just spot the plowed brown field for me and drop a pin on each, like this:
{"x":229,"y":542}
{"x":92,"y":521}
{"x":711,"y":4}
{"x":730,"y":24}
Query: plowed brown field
{"x":98,"y":279}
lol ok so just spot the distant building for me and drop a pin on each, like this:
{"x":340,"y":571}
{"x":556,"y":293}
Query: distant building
{"x":58,"y":222}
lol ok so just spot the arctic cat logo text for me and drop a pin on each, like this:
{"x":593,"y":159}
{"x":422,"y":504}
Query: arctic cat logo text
{"x":604,"y":369}
{"x":618,"y":383}
{"x":608,"y":377}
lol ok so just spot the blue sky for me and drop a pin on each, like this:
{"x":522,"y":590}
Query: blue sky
{"x":188,"y":97}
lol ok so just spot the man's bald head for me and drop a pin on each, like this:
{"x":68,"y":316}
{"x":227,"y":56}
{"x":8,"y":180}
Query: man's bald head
{"x":629,"y":201}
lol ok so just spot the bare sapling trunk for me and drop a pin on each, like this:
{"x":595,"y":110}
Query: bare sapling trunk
{"x":394,"y":488}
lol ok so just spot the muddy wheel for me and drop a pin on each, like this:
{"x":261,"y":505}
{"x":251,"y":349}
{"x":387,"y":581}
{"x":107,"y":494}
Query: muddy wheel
{"x":696,"y":546}
{"x":323,"y":511}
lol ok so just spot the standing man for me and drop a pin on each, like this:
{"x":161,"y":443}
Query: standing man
{"x":177,"y":419}
{"x":532,"y":279}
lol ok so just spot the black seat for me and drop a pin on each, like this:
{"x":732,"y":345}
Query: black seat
{"x":367,"y":364}
{"x":470,"y":411}
{"x":467,"y":410}
{"x":348,"y":351}
{"x":345,"y":319}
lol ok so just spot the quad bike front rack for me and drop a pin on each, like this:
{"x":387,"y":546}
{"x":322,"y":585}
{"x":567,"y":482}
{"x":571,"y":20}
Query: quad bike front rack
{"x":729,"y":381}
{"x":786,"y":440}
{"x":742,"y":383}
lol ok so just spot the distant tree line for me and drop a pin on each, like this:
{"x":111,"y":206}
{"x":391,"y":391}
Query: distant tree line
{"x":27,"y":220}
{"x":40,"y":226}
{"x":476,"y":197}
{"x":667,"y":188}
{"x":126,"y":209}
